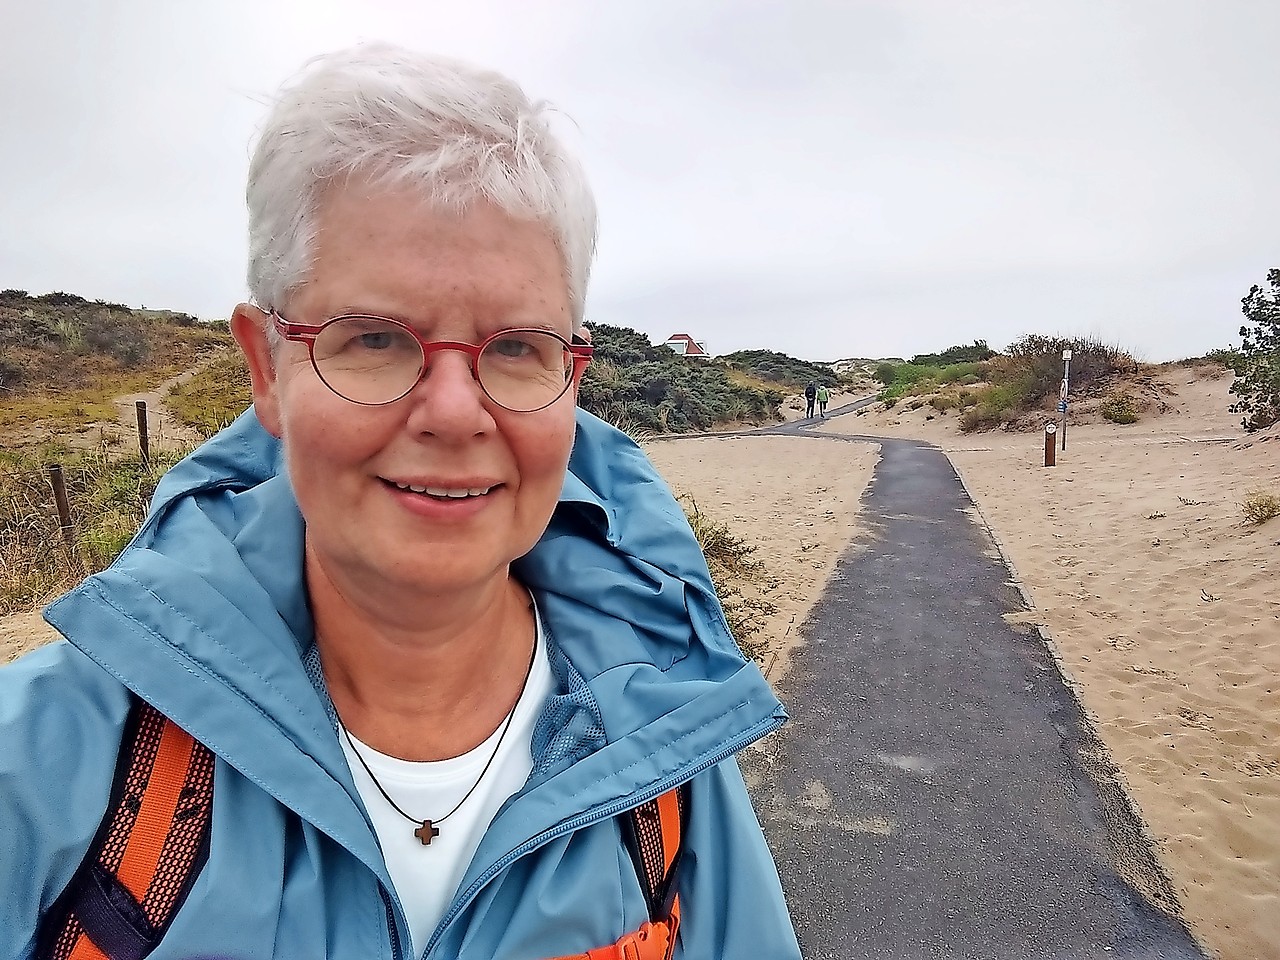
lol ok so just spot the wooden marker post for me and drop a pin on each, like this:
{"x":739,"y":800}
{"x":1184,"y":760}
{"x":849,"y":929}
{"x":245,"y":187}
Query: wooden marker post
{"x":59,"y":484}
{"x":144,"y":442}
{"x":1050,"y":455}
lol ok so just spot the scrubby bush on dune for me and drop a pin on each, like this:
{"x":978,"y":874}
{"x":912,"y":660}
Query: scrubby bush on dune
{"x":1038,"y":361}
{"x":781,"y":369}
{"x":1030,"y":371}
{"x":1257,"y":362}
{"x":1119,"y":408}
{"x":643,"y":389}
{"x":1259,"y":507}
{"x":59,"y":340}
{"x":885,"y":372}
{"x":973,"y":353}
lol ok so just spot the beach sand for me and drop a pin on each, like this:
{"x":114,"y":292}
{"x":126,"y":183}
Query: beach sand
{"x":1163,"y":607}
{"x":794,"y":499}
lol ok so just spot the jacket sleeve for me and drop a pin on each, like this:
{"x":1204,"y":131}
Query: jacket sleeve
{"x":731,"y":901}
{"x":61,"y":718}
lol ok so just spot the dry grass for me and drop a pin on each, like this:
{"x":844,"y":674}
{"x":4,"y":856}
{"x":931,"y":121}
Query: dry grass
{"x":1259,"y":507}
{"x":213,"y":397}
{"x":737,"y":575}
{"x":108,"y":495}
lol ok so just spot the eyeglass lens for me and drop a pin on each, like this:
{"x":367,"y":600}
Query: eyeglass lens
{"x":371,"y":360}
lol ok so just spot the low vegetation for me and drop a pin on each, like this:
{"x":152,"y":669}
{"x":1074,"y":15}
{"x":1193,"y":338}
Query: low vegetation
{"x":215,"y":396}
{"x":780,"y":370}
{"x":644,"y":389}
{"x":738,"y":578}
{"x":1259,"y":507}
{"x":999,"y":388}
{"x":108,"y":492}
{"x":975,"y":352}
{"x":1119,"y":408}
{"x":62,"y":358}
{"x":1257,"y":362}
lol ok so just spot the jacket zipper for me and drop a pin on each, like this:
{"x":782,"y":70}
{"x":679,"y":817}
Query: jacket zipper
{"x":740,"y":742}
{"x":391,"y":924}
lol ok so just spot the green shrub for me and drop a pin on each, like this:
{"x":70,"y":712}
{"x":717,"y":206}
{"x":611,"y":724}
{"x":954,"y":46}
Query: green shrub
{"x":644,"y":389}
{"x":1257,"y":382}
{"x":1229,"y":357}
{"x":976,"y":351}
{"x":999,"y":397}
{"x":778,"y":368}
{"x":886,"y":373}
{"x":1120,"y":408}
{"x":959,"y":372}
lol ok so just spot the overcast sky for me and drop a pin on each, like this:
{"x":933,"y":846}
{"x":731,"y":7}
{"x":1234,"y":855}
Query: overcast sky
{"x":828,"y":179}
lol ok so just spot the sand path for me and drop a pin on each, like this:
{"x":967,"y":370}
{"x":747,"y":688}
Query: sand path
{"x":164,"y":430}
{"x":1161,"y":605}
{"x":936,"y":745}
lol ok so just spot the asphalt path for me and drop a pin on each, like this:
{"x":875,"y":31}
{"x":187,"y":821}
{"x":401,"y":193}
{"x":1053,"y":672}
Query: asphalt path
{"x":939,"y":792}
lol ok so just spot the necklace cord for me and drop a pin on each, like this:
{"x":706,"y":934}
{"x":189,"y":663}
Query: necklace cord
{"x":506,"y":725}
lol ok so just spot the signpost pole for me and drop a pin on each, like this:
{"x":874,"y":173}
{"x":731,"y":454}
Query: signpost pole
{"x":1062,"y":394}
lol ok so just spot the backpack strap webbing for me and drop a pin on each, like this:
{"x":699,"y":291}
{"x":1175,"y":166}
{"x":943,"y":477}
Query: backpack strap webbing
{"x":654,"y":833}
{"x":152,"y":843}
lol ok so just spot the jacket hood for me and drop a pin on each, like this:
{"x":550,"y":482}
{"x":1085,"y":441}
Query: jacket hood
{"x":205,"y":615}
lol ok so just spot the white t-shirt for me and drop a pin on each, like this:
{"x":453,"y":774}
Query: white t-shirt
{"x":427,"y":877}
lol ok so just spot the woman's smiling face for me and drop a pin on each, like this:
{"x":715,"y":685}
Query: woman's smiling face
{"x":441,"y":490}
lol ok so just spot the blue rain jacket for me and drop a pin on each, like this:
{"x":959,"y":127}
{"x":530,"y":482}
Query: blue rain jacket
{"x":205,"y":616}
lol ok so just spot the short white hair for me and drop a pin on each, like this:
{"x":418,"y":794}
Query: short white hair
{"x":458,"y":133}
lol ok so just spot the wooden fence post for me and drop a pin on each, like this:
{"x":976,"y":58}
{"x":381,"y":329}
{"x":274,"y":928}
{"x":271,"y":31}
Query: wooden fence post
{"x":144,"y":443}
{"x":59,"y":484}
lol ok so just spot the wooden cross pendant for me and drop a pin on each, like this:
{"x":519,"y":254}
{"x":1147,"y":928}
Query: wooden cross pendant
{"x":426,"y":833}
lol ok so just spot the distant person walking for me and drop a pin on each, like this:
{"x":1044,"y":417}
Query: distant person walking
{"x":823,"y":398}
{"x":810,"y":392}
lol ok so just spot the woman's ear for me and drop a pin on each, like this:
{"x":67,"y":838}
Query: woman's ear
{"x":249,"y":327}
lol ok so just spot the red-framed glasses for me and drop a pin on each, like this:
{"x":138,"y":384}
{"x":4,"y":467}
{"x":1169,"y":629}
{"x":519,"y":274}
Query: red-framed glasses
{"x":375,"y":360}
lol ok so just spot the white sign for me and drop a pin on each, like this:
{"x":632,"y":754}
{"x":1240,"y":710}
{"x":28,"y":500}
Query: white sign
{"x":1066,"y":354}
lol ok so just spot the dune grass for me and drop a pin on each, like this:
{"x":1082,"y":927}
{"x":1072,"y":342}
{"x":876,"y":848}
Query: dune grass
{"x":108,"y":493}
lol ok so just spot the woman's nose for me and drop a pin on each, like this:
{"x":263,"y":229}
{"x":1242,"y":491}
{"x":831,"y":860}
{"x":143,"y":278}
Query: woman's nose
{"x":447,"y":396}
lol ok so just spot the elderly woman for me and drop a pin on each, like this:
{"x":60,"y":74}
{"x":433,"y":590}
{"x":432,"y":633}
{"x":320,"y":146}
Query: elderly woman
{"x":428,"y":635}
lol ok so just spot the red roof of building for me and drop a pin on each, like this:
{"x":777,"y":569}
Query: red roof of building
{"x":692,"y":346}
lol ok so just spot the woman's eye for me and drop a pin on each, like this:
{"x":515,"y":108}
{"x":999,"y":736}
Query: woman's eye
{"x":511,"y":347}
{"x":374,"y":341}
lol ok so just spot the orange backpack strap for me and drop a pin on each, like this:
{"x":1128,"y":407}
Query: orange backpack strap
{"x":152,"y":843}
{"x":654,"y":832}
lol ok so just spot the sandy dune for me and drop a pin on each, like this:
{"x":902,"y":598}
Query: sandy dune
{"x":795,"y":499}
